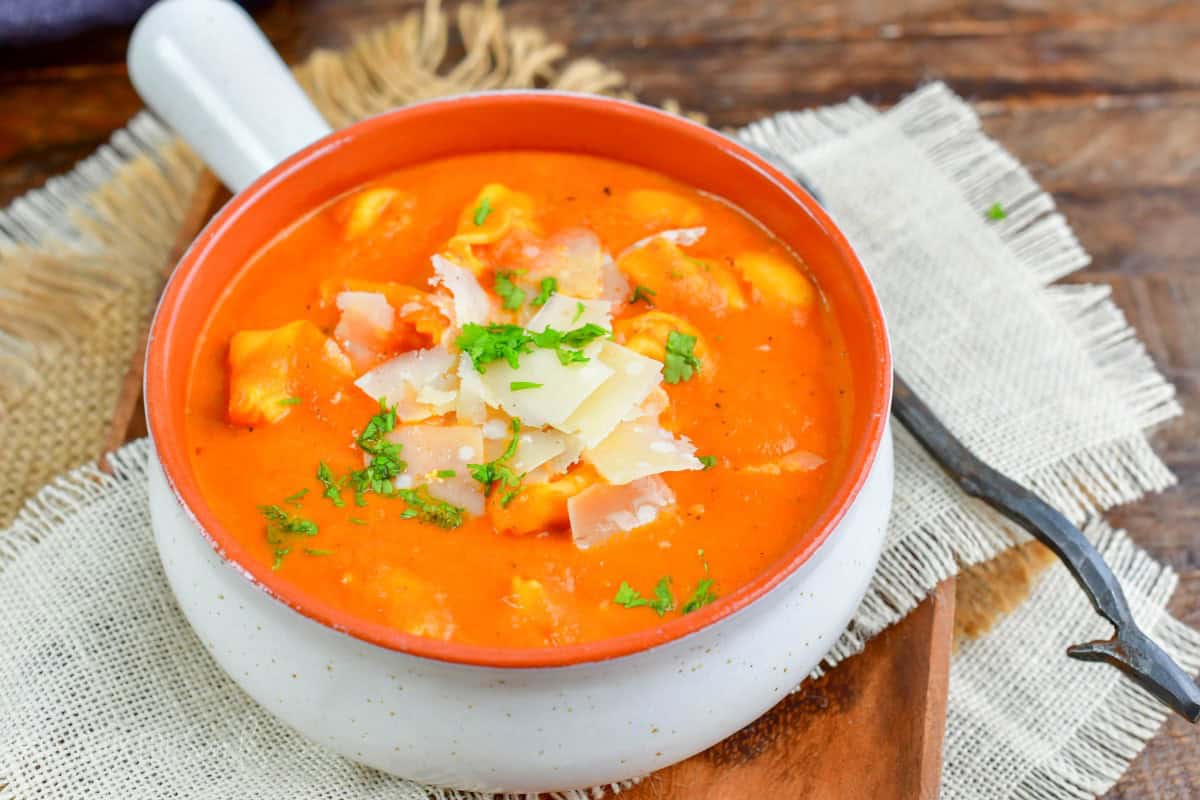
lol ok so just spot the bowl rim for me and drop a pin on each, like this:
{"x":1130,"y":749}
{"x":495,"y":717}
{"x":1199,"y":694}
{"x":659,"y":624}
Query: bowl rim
{"x":164,"y":428}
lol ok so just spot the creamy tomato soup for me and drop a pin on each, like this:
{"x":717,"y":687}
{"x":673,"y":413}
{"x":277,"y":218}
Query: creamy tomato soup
{"x":520,"y":399}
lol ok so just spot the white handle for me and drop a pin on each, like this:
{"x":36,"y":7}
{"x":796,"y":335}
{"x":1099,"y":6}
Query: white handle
{"x":210,"y":73}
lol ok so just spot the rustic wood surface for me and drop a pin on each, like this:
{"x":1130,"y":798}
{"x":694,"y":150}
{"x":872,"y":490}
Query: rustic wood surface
{"x":1101,"y":99}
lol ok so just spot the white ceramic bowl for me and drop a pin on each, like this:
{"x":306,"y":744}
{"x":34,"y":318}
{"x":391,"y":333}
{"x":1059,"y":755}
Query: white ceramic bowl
{"x":437,"y":712}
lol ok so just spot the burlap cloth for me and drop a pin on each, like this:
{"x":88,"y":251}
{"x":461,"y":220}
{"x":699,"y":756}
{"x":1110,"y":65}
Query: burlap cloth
{"x":105,"y":692}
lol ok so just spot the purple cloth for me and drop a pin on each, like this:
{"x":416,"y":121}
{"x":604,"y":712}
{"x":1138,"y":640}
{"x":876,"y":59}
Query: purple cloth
{"x":30,"y":21}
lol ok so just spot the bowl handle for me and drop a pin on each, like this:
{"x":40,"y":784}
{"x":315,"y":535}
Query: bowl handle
{"x":205,"y":68}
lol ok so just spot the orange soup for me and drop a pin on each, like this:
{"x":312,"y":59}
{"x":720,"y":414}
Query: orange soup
{"x":520,"y":399}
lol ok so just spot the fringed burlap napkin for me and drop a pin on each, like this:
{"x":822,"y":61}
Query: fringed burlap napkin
{"x":104,"y":691}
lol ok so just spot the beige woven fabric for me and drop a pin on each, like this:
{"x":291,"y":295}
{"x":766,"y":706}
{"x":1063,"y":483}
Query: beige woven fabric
{"x":1048,"y":383}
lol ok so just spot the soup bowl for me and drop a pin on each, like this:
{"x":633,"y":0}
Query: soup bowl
{"x":447,"y":713}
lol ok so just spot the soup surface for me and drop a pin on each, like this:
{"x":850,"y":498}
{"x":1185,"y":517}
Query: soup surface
{"x":520,"y":399}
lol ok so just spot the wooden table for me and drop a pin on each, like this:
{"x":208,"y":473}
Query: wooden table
{"x":1103,"y":105}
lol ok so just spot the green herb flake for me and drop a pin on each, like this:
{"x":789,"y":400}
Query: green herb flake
{"x":512,"y":295}
{"x":312,"y":551}
{"x":642,"y":294}
{"x":708,"y":461}
{"x":579,"y":309}
{"x":497,"y":472}
{"x":385,"y":462}
{"x":332,"y":485}
{"x":446,"y":473}
{"x":662,"y":602}
{"x":290,"y":401}
{"x":518,"y":386}
{"x":296,"y":500}
{"x":484,"y":344}
{"x":430,"y":510}
{"x":280,"y":553}
{"x":681,"y":362}
{"x":996,"y":212}
{"x":701,"y":596}
{"x":279,"y":526}
{"x":547,"y":287}
{"x":482,"y":211}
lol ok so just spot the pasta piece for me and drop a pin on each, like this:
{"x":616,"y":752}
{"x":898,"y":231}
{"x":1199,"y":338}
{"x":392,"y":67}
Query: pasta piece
{"x":268,"y":370}
{"x":420,"y":384}
{"x":776,"y":280}
{"x":496,"y":214}
{"x":367,"y":209}
{"x":540,"y":507}
{"x":410,"y":603}
{"x":679,"y":279}
{"x":419,"y":321}
{"x":433,"y":452}
{"x":637,"y":449}
{"x":647,"y":334}
{"x":657,"y":209}
{"x":602,"y":510}
{"x":471,"y":302}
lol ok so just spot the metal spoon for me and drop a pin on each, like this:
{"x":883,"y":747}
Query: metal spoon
{"x":1130,"y":650}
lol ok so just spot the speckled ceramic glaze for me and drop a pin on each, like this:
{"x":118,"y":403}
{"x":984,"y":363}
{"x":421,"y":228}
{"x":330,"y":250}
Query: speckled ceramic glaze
{"x":495,"y":719}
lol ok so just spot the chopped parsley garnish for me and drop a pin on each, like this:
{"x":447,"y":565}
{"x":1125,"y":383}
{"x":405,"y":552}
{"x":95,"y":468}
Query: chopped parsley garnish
{"x":996,"y":212}
{"x":312,"y":551}
{"x":290,"y":401}
{"x":663,"y":600}
{"x":485,"y":344}
{"x":333,"y":485}
{"x":518,"y":386}
{"x":280,"y":525}
{"x":708,"y":461}
{"x":547,"y":287}
{"x":642,"y":294}
{"x":385,"y":462}
{"x":701,"y":596}
{"x":498,"y":472}
{"x":512,"y":295}
{"x":681,"y":362}
{"x":566,"y":344}
{"x":446,"y":473}
{"x":430,"y":510}
{"x":482,"y":211}
{"x":295,"y":500}
{"x":579,"y":309}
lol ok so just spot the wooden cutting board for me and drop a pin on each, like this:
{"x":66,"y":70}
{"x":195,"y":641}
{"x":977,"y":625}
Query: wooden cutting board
{"x":872,"y":728}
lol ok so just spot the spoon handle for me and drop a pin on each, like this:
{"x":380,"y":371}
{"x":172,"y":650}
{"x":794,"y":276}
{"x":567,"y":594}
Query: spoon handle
{"x":1130,"y":650}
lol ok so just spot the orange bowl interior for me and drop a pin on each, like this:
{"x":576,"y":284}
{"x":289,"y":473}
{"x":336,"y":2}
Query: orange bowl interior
{"x":504,"y":121}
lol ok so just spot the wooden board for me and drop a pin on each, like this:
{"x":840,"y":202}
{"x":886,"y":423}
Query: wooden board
{"x":870,"y":728}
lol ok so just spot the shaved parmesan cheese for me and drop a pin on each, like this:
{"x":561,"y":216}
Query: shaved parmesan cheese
{"x":471,"y":403}
{"x":562,"y":313}
{"x":637,"y":449}
{"x":654,"y":405}
{"x":599,"y":511}
{"x":419,"y":383}
{"x":364,"y":326}
{"x":430,"y":448}
{"x":563,"y":387}
{"x":614,"y":287}
{"x":575,"y":259}
{"x":634,"y":377}
{"x":677,"y":236}
{"x":471,"y":302}
{"x":534,"y":448}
